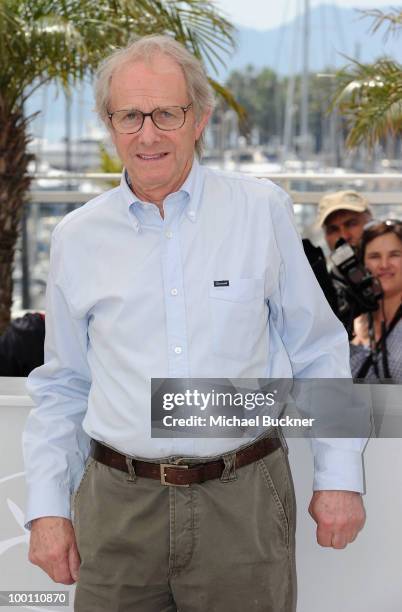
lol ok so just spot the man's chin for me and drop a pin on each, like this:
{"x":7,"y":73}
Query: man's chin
{"x":153,"y":186}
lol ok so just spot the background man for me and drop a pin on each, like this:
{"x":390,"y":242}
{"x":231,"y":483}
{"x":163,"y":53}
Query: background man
{"x":343,"y":214}
{"x":171,"y":275}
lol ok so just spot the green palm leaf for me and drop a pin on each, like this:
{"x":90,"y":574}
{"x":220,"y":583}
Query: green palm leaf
{"x":370,"y":95}
{"x":64,"y":41}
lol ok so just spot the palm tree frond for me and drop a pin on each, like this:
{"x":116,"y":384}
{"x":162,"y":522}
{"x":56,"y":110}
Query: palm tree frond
{"x":370,"y":99}
{"x":391,"y":20}
{"x":228,"y":97}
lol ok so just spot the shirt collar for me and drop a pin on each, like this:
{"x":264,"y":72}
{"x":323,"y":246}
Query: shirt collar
{"x":191,"y":189}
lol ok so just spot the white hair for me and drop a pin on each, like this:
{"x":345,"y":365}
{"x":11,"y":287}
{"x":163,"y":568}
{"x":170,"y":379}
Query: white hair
{"x":199,"y":89}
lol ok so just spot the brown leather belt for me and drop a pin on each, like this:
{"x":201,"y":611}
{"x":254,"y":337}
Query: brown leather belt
{"x":182,"y":475}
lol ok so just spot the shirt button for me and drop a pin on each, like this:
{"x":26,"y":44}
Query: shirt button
{"x":173,"y":292}
{"x":178,"y":350}
{"x":191,"y":213}
{"x":169,"y":234}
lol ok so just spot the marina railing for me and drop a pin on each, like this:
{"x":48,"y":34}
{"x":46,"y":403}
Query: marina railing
{"x":52,"y":196}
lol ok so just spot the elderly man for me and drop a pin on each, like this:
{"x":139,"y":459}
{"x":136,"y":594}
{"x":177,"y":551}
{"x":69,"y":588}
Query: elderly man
{"x":343,"y":214}
{"x":187,"y":273}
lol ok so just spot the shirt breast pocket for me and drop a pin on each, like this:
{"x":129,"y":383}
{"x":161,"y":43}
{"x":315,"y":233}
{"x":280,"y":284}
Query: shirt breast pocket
{"x":237,"y":313}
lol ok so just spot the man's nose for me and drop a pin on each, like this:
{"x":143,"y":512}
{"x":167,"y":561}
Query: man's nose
{"x":149,"y":133}
{"x":346,"y":235}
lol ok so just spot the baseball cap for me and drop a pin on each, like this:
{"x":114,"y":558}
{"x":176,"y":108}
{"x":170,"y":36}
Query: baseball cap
{"x":341,"y":200}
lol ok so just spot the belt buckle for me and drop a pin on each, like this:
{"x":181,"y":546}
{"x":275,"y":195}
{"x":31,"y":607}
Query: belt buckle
{"x":163,"y":466}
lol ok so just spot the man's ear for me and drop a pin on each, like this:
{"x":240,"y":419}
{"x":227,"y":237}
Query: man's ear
{"x":201,"y":124}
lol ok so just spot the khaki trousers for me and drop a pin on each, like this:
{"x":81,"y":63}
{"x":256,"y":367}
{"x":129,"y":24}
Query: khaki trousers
{"x":227,"y":545}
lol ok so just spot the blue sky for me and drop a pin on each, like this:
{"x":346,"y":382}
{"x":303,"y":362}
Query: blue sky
{"x":263,"y":14}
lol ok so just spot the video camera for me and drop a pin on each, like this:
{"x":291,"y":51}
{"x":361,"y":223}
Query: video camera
{"x":357,"y":289}
{"x":349,"y":288}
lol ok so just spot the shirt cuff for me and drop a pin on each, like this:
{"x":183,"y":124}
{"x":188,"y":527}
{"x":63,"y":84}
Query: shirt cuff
{"x":337,"y":469}
{"x":47,"y":500}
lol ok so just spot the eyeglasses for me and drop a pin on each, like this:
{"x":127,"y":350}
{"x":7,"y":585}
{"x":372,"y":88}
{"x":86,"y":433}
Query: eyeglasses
{"x":167,"y":118}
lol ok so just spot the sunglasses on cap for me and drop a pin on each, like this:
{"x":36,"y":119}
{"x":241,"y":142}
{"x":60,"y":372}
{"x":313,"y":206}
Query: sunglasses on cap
{"x":387,"y":222}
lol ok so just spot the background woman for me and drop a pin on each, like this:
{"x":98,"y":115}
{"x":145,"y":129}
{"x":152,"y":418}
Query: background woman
{"x":376,"y":350}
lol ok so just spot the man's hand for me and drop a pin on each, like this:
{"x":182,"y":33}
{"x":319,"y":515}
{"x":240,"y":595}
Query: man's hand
{"x":54,"y":549}
{"x":339,"y":515}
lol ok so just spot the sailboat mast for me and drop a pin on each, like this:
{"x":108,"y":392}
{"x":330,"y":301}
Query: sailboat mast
{"x":304,"y":135}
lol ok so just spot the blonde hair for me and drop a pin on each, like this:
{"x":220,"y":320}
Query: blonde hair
{"x":199,"y":89}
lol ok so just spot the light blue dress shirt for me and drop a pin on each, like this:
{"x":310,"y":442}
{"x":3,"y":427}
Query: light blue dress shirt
{"x":131,"y":296}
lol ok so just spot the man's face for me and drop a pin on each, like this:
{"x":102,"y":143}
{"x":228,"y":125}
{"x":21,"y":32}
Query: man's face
{"x":345,"y":224}
{"x":157,"y":161}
